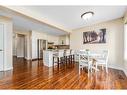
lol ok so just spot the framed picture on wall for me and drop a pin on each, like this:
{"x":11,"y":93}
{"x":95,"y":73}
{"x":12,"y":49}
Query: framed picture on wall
{"x":93,"y":37}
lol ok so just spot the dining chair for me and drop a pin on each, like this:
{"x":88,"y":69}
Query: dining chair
{"x":102,"y":60}
{"x":58,"y":57}
{"x":84,"y":60}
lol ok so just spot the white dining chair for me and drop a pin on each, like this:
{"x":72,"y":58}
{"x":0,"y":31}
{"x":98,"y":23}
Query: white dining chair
{"x":84,"y":60}
{"x":102,"y":60}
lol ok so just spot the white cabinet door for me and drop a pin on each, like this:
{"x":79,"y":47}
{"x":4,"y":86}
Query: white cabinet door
{"x":1,"y":47}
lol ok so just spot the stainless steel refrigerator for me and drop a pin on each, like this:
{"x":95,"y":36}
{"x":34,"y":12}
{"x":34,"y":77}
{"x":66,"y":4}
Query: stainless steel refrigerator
{"x":41,"y":45}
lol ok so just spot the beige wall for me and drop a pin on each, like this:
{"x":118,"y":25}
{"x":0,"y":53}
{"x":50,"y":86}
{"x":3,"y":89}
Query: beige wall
{"x":125,"y":17}
{"x":125,"y":40}
{"x":115,"y":40}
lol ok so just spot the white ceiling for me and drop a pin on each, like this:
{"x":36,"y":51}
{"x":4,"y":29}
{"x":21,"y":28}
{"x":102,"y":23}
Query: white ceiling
{"x":70,"y":16}
{"x":24,"y":23}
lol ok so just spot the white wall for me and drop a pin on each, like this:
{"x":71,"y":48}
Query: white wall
{"x":115,"y":40}
{"x":14,"y":45}
{"x":31,"y":41}
{"x":40,"y":35}
{"x":8,"y":34}
{"x":27,"y":35}
{"x":21,"y":46}
{"x":36,"y":35}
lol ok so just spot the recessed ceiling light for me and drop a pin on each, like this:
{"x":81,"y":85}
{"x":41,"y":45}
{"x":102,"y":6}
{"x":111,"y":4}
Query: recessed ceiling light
{"x":87,"y":15}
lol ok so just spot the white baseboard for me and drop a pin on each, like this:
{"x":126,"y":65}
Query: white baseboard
{"x":115,"y":66}
{"x":20,"y":56}
{"x":119,"y":67}
{"x":6,"y":69}
{"x":27,"y":58}
{"x":125,"y":69}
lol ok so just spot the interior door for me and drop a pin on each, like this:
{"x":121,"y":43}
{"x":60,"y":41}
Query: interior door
{"x":1,"y":47}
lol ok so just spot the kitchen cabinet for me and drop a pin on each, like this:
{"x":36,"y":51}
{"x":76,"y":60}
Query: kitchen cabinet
{"x":64,"y":40}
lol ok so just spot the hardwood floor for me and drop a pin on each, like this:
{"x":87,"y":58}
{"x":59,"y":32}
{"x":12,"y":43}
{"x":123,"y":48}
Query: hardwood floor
{"x":33,"y":75}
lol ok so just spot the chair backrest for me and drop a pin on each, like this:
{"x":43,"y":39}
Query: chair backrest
{"x":72,"y":52}
{"x":105,"y":55}
{"x":67,"y":52}
{"x":102,"y":54}
{"x":61,"y":53}
{"x":83,"y":56}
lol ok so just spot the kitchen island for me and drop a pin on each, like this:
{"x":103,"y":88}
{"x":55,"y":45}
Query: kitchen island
{"x":48,"y":57}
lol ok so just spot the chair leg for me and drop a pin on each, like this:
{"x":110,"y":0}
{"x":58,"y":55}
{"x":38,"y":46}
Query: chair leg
{"x":106,"y":67}
{"x":96,"y":67}
{"x":88,"y":70}
{"x":91,"y":67}
{"x":61,"y":61}
{"x":71,"y":60}
{"x":66,"y":60}
{"x":58,"y":62}
{"x":53,"y":62}
{"x":79,"y":69}
{"x":102,"y":67}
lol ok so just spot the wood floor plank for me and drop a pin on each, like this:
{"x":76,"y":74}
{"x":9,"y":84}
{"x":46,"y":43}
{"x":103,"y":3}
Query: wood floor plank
{"x":33,"y":75}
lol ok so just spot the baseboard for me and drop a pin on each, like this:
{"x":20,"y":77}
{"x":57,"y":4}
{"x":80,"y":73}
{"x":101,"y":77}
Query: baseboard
{"x":20,"y":56}
{"x":7,"y":69}
{"x":34,"y":59}
{"x":118,"y":67}
{"x":125,"y":71}
{"x":115,"y":66}
{"x":28,"y":59}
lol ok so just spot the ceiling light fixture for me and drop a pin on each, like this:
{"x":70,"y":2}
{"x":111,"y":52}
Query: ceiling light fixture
{"x":87,"y":15}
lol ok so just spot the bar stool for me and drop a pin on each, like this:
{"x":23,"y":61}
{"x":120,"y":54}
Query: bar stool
{"x":72,"y":55}
{"x":58,"y":58}
{"x":67,"y":57}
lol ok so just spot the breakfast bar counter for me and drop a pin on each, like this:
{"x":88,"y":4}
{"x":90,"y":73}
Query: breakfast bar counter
{"x":48,"y":57}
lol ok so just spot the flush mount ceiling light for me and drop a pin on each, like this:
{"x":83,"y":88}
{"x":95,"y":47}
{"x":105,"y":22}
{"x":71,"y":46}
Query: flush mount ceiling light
{"x":87,"y":15}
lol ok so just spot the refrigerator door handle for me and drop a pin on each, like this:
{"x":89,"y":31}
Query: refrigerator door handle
{"x":1,"y":50}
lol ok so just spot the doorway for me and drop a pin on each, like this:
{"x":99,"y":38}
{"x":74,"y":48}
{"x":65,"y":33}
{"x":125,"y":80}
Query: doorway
{"x":19,"y":48}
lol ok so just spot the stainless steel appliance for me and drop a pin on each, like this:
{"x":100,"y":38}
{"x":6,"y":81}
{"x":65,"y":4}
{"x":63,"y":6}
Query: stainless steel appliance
{"x":41,"y":45}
